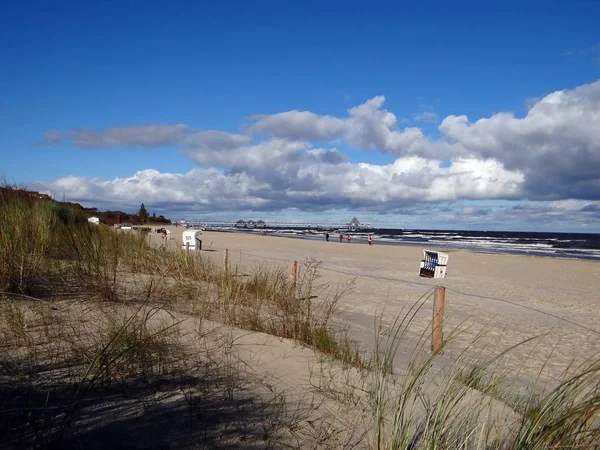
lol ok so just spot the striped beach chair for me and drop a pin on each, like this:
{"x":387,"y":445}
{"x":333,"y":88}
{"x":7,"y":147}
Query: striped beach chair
{"x":433,"y":264}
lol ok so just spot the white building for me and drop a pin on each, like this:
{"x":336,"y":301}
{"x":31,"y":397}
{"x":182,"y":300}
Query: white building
{"x":354,"y":224}
{"x":94,"y":220}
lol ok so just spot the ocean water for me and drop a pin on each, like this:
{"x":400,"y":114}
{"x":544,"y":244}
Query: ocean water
{"x":560,"y":245}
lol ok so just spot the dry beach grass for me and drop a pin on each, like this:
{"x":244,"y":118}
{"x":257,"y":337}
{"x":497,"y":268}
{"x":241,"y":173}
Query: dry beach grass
{"x":478,"y":287}
{"x":108,"y":342}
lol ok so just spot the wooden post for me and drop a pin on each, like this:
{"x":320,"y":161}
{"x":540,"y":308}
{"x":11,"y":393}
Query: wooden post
{"x":293,"y":273}
{"x":225,"y":258}
{"x":437,"y":340}
{"x":187,"y":248}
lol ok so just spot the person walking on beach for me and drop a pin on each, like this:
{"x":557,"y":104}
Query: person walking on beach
{"x":341,"y":237}
{"x":349,"y":238}
{"x":370,"y":239}
{"x":327,"y":237}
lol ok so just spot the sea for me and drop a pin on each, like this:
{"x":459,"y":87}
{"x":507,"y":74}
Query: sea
{"x":554,"y":245}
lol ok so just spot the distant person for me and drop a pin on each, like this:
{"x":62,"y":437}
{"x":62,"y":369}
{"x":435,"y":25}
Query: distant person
{"x":327,"y":237}
{"x":349,"y":238}
{"x":370,"y":239}
{"x":341,"y":237}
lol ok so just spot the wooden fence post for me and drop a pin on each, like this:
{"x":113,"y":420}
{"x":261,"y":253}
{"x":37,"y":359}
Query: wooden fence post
{"x":225,"y":259}
{"x":437,"y":339}
{"x":293,"y":274}
{"x":187,"y":248}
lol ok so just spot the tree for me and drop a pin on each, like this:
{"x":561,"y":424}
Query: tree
{"x":142,"y":212}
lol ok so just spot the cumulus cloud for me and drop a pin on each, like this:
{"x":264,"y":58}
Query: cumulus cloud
{"x":556,"y":145}
{"x":298,"y":125}
{"x":328,"y":156}
{"x":309,"y":182}
{"x":368,"y":127}
{"x":288,"y":160}
{"x":198,"y":189}
{"x":280,"y":163}
{"x":252,"y":158}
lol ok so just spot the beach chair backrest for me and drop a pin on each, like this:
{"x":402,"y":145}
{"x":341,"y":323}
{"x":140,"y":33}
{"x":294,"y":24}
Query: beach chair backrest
{"x":430,"y":259}
{"x":433,"y":264}
{"x":442,"y":259}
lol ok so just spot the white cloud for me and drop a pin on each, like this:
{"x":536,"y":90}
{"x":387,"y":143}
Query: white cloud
{"x":304,"y":181}
{"x":264,"y":156}
{"x":343,"y":189}
{"x":298,"y":125}
{"x":370,"y":127}
{"x":196,"y":189}
{"x":552,"y":153}
{"x":426,"y":116}
{"x":215,"y":140}
{"x":556,"y":145}
{"x":367,"y":127}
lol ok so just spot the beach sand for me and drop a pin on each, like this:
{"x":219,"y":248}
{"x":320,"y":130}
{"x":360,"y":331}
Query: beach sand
{"x":235,"y":386}
{"x":485,"y":293}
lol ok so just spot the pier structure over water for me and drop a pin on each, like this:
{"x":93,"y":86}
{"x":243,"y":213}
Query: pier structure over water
{"x":248,"y":225}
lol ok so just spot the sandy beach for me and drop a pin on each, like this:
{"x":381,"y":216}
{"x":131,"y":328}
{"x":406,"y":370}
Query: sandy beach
{"x":509,"y":298}
{"x":185,"y":366}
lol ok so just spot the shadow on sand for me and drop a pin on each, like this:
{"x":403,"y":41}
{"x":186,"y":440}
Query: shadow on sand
{"x":204,"y":411}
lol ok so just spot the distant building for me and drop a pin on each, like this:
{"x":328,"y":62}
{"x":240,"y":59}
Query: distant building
{"x":240,"y":224}
{"x":354,"y":224}
{"x":260,"y":224}
{"x":94,"y":220}
{"x":250,"y":224}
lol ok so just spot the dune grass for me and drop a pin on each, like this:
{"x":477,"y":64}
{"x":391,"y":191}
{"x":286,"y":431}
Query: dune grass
{"x":470,"y":402}
{"x":49,"y":254}
{"x":46,"y":244}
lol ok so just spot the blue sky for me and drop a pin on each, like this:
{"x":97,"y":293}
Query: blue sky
{"x":232,"y":67}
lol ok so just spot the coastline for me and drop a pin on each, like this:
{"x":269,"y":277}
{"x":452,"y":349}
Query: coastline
{"x":443,"y":247}
{"x":499,"y":299}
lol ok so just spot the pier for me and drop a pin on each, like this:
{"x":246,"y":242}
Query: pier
{"x":246,"y":225}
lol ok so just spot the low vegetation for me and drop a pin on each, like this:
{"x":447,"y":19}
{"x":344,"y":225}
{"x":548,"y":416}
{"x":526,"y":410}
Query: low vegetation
{"x":95,"y":330}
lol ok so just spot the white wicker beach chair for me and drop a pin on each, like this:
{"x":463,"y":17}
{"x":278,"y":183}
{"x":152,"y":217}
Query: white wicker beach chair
{"x":433,"y":264}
